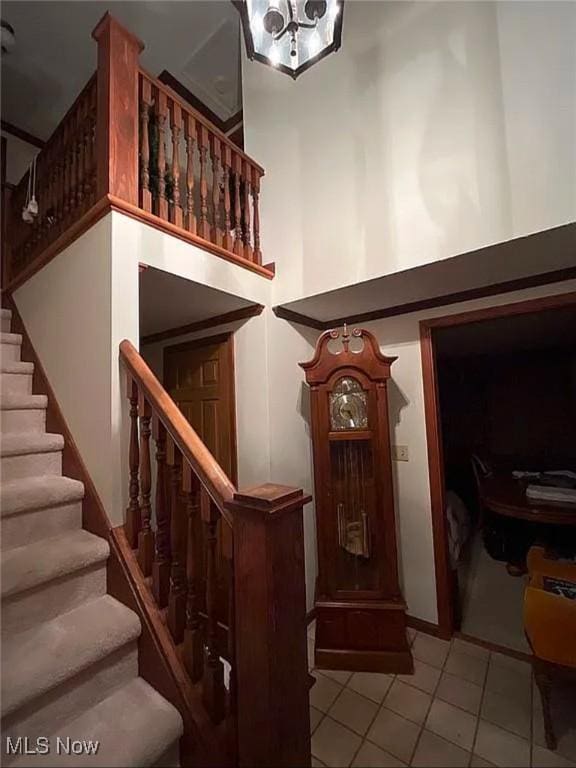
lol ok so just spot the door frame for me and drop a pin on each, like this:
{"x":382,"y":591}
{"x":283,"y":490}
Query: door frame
{"x":445,"y":596}
{"x":226,"y":338}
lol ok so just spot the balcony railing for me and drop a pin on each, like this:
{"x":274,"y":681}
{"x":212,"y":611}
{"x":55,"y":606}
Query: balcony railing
{"x":129,"y":143}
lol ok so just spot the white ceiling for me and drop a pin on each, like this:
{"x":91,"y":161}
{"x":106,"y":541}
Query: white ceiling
{"x":198,"y":41}
{"x":168,"y":301}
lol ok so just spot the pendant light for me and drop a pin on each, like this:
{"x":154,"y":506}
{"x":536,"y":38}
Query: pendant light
{"x":291,"y":35}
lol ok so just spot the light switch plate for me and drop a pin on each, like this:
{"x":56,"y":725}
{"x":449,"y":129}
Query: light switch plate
{"x":400,"y":452}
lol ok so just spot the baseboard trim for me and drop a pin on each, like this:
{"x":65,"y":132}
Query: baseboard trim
{"x":426,"y":626}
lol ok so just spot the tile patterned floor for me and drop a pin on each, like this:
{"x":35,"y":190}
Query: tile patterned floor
{"x":464,"y":706}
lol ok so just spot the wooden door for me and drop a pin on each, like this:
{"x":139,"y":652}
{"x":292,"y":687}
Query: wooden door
{"x":199,"y":376}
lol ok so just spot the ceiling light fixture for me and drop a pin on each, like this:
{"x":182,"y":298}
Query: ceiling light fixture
{"x":291,"y":35}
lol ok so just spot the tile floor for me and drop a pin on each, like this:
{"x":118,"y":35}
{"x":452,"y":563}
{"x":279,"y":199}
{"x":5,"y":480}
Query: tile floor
{"x":464,"y":706}
{"x":498,"y":620}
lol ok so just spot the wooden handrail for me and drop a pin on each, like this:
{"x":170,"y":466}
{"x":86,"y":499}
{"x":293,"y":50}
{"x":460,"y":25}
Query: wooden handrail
{"x":199,"y":117}
{"x":209,"y":472}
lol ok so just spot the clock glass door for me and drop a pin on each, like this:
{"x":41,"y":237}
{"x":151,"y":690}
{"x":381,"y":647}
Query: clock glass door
{"x":353,"y":497}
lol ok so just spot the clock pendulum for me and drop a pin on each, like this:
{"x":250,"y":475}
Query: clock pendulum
{"x":360,"y":612}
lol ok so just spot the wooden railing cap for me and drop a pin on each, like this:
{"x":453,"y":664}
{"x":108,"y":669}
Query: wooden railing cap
{"x":269,"y":498}
{"x":107,"y":22}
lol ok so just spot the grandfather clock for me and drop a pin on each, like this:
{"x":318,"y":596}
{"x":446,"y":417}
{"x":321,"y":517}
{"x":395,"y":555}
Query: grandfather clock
{"x":360,"y":613}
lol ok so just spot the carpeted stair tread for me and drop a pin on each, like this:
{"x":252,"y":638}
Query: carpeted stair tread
{"x":10,"y":401}
{"x":30,"y":493}
{"x":134,"y":726}
{"x":25,"y":443}
{"x":27,"y":567}
{"x":16,"y":366}
{"x":10,"y":338}
{"x":39,"y":659}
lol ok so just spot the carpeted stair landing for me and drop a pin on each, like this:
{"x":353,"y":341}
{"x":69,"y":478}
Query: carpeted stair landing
{"x":69,"y":650}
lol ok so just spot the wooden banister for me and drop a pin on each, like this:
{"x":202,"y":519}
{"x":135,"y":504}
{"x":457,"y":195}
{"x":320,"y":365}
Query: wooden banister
{"x":199,"y":117}
{"x":229,"y":570}
{"x":228,"y":181}
{"x":205,"y":466}
{"x":130,"y":141}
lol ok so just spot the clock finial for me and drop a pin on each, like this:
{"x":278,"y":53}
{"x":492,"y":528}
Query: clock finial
{"x":345,"y":338}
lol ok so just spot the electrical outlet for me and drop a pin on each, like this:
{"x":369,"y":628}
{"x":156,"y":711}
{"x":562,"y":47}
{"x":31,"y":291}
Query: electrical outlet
{"x":400,"y":452}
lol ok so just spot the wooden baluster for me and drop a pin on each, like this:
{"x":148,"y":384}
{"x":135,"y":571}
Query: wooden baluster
{"x":178,"y":536}
{"x":145,"y":483}
{"x":92,"y":142}
{"x":78,"y":150}
{"x":238,"y":243}
{"x":192,"y":652}
{"x":161,"y":566}
{"x":227,"y":224}
{"x":204,"y":227}
{"x":50,"y":218}
{"x":84,"y":187}
{"x":133,"y":522}
{"x":247,"y":192}
{"x":216,"y":167}
{"x":72,"y":160}
{"x":176,"y":125}
{"x":161,"y":107}
{"x":146,"y":534}
{"x":213,"y":677}
{"x":145,"y":104}
{"x":256,"y":208}
{"x":190,"y":141}
{"x":65,"y":172}
{"x":57,"y":188}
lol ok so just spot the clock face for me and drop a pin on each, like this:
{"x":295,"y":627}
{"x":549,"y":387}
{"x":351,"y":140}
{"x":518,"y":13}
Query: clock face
{"x":348,"y":405}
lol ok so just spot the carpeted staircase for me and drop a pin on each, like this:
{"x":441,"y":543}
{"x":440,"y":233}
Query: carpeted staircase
{"x":69,"y":650}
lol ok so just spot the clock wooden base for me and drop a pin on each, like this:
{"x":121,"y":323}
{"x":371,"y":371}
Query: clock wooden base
{"x":362,"y":637}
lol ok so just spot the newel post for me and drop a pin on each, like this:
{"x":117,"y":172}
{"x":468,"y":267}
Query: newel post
{"x":117,"y":110}
{"x":270,"y":628}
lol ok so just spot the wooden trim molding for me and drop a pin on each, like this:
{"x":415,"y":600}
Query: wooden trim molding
{"x":428,"y":627}
{"x":253,"y":310}
{"x":295,"y":317}
{"x":21,"y":134}
{"x":444,"y":581}
{"x":167,"y":78}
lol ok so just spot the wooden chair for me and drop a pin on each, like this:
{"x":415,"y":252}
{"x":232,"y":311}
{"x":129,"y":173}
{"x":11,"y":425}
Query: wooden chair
{"x":550,"y":626}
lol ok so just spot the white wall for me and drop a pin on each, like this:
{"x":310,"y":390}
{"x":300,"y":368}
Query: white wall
{"x":437,"y":128}
{"x":65,"y":308}
{"x":157,"y":249}
{"x":19,"y":155}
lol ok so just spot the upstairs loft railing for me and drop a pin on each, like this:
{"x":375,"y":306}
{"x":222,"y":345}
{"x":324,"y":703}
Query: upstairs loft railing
{"x":227,"y":571}
{"x":65,"y":185}
{"x":193,"y":176}
{"x":129,"y":143}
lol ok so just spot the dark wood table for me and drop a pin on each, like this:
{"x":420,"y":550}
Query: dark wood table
{"x":505,"y":495}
